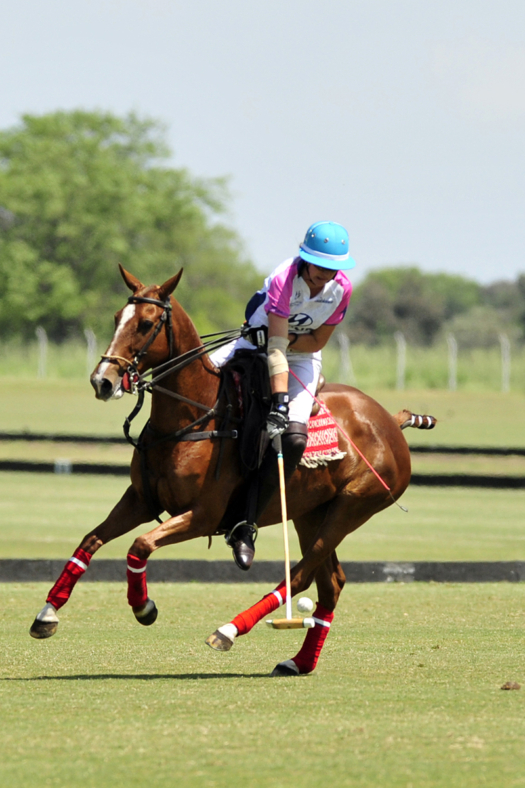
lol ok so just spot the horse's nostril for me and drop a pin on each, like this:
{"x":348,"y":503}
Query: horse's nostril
{"x":103,"y":387}
{"x":106,"y":388}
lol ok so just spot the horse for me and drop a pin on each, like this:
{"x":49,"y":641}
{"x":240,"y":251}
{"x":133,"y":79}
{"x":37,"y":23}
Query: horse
{"x":193,"y":474}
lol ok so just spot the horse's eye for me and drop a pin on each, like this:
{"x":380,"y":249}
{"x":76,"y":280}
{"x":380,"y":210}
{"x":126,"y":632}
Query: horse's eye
{"x":145,"y":325}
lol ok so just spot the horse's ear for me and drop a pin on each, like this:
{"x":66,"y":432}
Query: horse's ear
{"x":131,"y":281}
{"x":169,"y":286}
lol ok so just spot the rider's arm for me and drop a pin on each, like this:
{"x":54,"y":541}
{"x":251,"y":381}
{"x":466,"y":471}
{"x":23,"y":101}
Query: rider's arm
{"x":313,"y":341}
{"x":278,"y":327}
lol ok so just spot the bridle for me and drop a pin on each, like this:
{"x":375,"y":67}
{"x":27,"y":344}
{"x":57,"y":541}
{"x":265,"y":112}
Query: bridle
{"x":139,"y":384}
{"x":164,"y":320}
{"x":173,"y":363}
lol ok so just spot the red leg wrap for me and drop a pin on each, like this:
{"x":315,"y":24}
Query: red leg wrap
{"x":306,"y":659}
{"x":73,"y":570}
{"x":245,"y":621}
{"x":137,"y":586}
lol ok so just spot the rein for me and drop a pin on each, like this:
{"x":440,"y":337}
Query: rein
{"x":139,"y":383}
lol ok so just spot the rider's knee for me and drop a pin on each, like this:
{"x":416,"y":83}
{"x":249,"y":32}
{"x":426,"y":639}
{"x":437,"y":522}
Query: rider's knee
{"x":294,"y":440}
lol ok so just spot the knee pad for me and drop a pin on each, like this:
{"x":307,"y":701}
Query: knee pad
{"x":294,"y":441}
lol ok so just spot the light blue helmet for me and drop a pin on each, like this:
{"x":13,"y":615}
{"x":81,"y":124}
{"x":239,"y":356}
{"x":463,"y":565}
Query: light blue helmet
{"x":326,"y":244}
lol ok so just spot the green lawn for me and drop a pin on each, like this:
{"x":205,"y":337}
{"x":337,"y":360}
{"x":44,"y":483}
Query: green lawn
{"x":46,"y":515}
{"x":407,"y":692}
{"x":69,"y":406}
{"x":59,"y":406}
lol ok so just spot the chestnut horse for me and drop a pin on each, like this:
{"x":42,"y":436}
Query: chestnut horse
{"x":178,"y":472}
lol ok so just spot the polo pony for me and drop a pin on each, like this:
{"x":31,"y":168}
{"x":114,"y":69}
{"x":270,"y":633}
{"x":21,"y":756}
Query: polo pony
{"x":187,"y":464}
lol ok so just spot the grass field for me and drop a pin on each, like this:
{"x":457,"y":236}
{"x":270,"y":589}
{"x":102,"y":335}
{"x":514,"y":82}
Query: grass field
{"x":45,"y":516}
{"x":47,"y":451}
{"x":480,"y":418}
{"x":407,"y":692}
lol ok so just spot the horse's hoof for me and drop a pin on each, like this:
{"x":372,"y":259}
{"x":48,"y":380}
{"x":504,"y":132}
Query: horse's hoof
{"x":219,"y":642}
{"x":147,"y":615}
{"x":287,"y":668}
{"x":43,"y":629}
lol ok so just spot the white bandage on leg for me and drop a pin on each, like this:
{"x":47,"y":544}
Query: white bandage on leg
{"x":48,"y":614}
{"x":229,"y":630}
{"x":277,"y":361}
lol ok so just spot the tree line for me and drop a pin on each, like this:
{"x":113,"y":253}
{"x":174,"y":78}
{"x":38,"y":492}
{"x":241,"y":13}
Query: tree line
{"x":82,"y":191}
{"x":425,"y":307}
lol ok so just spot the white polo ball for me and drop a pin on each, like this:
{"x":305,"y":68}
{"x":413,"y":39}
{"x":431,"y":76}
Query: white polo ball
{"x":305,"y":605}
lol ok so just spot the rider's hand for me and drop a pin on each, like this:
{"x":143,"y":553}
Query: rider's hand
{"x":257,"y":335}
{"x":278,"y":419}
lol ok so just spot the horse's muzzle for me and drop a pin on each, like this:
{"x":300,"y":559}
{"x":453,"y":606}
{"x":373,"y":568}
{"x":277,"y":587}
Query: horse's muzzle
{"x":105,"y":387}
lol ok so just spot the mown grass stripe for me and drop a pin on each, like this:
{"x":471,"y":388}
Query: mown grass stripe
{"x":42,"y":437}
{"x":418,"y":479}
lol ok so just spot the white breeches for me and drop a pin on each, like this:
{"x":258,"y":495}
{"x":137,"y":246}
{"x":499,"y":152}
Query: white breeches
{"x":304,"y":366}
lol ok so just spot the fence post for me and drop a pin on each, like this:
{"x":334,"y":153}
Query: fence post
{"x":505,"y":362}
{"x":452,"y":362}
{"x":91,"y":354}
{"x":42,"y":351}
{"x":347,"y":369}
{"x":401,"y":359}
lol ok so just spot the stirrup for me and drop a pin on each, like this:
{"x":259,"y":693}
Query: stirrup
{"x":255,"y":531}
{"x":242,"y":541}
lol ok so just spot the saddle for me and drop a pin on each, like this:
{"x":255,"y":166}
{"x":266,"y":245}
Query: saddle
{"x":248,"y":373}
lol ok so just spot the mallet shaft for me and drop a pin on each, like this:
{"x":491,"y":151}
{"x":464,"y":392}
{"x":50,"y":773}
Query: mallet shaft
{"x":282,"y":486}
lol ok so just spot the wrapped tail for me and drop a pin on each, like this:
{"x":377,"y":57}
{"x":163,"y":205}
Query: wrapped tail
{"x":405,"y":418}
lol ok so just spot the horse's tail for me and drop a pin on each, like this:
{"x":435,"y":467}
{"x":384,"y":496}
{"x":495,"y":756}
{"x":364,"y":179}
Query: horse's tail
{"x":405,"y":418}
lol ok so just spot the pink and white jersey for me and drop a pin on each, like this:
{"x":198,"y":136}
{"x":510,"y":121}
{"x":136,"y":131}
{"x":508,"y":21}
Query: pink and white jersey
{"x":286,"y":294}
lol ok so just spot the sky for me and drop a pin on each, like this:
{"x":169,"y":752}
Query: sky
{"x":403,"y":120}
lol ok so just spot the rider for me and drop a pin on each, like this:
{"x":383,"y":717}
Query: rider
{"x":300,"y":304}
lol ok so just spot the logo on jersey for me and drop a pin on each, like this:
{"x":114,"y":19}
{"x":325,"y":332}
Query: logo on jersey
{"x":297,"y":299}
{"x":300,"y":321}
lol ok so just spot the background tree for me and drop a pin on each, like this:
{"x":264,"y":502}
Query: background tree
{"x":408,"y":300}
{"x":89,"y":190}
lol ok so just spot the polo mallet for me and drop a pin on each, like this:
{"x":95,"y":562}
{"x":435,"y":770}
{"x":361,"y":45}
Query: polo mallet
{"x":288,"y":622}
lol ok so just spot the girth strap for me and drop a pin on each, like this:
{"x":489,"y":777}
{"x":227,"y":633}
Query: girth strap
{"x":203,"y":436}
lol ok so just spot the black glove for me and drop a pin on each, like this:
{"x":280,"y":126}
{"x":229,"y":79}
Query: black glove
{"x":278,"y":419}
{"x":257,"y":335}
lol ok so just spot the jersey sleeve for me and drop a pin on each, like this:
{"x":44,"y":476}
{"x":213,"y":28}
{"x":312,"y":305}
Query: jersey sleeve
{"x":280,"y":292}
{"x":340,"y":310}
